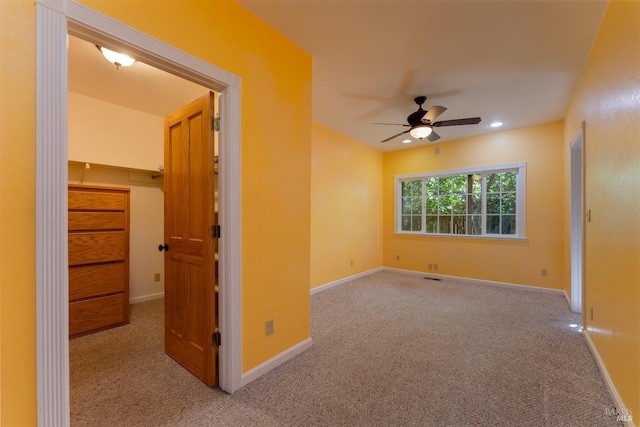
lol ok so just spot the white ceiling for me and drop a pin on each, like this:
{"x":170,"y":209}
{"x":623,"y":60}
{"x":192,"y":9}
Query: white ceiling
{"x":510,"y":60}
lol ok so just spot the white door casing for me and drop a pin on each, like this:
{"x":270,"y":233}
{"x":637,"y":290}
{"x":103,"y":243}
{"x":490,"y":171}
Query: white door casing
{"x":54,"y":20}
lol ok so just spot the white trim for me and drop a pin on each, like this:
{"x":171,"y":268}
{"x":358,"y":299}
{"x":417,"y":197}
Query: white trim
{"x":145,"y":298}
{"x":514,"y":167}
{"x":576,"y":218}
{"x":613,"y":392}
{"x":263,"y":368}
{"x":479,"y":281}
{"x":520,"y":168}
{"x":54,"y":19}
{"x":344,"y":280}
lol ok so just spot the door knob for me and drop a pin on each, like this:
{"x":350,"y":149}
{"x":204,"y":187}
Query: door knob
{"x":164,"y":247}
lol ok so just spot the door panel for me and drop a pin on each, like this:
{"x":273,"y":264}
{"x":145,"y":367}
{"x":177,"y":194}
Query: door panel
{"x":190,"y":311}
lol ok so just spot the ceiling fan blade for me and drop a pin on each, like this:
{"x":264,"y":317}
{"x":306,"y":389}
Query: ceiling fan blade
{"x":391,"y":124}
{"x":396,"y":135}
{"x":433,"y":136}
{"x":456,"y":122}
{"x":434,"y":112}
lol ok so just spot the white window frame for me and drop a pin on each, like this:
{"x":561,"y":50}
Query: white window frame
{"x":521,"y":196}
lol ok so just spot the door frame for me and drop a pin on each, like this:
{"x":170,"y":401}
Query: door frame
{"x":576,"y":151}
{"x":54,"y":20}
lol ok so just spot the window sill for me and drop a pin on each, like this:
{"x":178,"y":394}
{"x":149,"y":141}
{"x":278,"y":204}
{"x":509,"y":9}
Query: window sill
{"x":464,"y":236}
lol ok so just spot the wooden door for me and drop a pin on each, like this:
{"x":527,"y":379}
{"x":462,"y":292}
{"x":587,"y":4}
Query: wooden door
{"x":189,"y":191}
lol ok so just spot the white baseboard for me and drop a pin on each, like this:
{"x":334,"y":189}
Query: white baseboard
{"x":344,"y":280}
{"x":144,"y":298}
{"x":613,"y":392}
{"x":275,"y":361}
{"x":479,"y":281}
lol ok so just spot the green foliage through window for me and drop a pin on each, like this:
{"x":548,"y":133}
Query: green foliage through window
{"x":473,"y":203}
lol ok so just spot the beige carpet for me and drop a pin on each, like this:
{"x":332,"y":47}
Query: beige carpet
{"x":390,"y":349}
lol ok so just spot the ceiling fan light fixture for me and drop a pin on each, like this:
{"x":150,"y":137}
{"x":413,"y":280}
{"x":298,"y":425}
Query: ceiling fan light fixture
{"x":118,"y":59}
{"x":420,"y":131}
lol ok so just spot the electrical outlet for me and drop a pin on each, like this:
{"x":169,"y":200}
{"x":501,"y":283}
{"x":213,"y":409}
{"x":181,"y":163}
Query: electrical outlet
{"x":269,"y":326}
{"x":397,"y":257}
{"x":430,"y":266}
{"x":351,"y":263}
{"x":543,"y":272}
{"x":156,"y":277}
{"x":591,"y":312}
{"x":435,"y":266}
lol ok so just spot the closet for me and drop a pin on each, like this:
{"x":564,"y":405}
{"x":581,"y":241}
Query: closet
{"x":98,"y":258}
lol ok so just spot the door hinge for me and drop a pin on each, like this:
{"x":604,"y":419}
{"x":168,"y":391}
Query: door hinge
{"x":216,"y":339}
{"x":215,"y":123}
{"x":215,"y":231}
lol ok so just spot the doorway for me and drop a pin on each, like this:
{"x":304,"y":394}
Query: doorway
{"x":54,"y":21}
{"x":577,"y":221}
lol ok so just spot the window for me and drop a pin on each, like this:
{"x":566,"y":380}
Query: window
{"x":486,"y":201}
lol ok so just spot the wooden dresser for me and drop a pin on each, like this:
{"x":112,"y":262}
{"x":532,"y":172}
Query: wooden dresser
{"x":98,"y":258}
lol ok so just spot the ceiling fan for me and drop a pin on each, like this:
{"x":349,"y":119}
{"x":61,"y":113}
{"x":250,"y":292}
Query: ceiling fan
{"x":422,"y":122}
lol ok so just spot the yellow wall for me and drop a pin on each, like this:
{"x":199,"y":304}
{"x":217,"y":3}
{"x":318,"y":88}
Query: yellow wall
{"x":346,"y":206}
{"x":488,"y":259}
{"x":276,"y":150}
{"x":17,"y":213}
{"x":608,"y":100}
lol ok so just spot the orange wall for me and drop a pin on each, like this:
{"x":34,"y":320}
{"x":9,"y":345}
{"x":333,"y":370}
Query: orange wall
{"x":488,"y":259}
{"x":346,"y":206}
{"x":608,"y":100}
{"x":17,"y":217}
{"x":276,"y":168}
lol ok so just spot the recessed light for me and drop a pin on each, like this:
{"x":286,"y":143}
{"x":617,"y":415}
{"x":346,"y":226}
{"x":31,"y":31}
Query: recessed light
{"x":406,"y":141}
{"x":496,"y":124}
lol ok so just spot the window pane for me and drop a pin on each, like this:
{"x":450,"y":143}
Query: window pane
{"x":475,"y":224}
{"x":493,"y":204}
{"x":508,"y":224}
{"x":432,"y":186}
{"x":508,"y":203}
{"x":432,"y":205}
{"x":432,"y":224}
{"x":493,"y":224}
{"x":406,"y":223}
{"x":493,"y":183}
{"x":477,"y":187}
{"x":412,"y":188}
{"x":444,"y":225}
{"x":476,"y":204}
{"x":508,"y":181}
{"x":459,"y":204}
{"x":444,"y":205}
{"x":416,"y":223}
{"x":445,"y":185}
{"x":459,"y":224}
{"x":416,"y":205}
{"x":406,"y":205}
{"x":459,"y":184}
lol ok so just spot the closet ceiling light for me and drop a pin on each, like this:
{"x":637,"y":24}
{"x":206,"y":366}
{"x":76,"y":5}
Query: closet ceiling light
{"x":118,"y":59}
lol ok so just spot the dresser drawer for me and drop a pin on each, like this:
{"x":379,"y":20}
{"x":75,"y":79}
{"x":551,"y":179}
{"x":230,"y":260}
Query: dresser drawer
{"x":88,"y":248}
{"x":97,"y":200}
{"x":96,"y":313}
{"x":96,"y":221}
{"x":96,"y":280}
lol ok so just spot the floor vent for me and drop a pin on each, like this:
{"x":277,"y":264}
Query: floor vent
{"x":432,"y":278}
